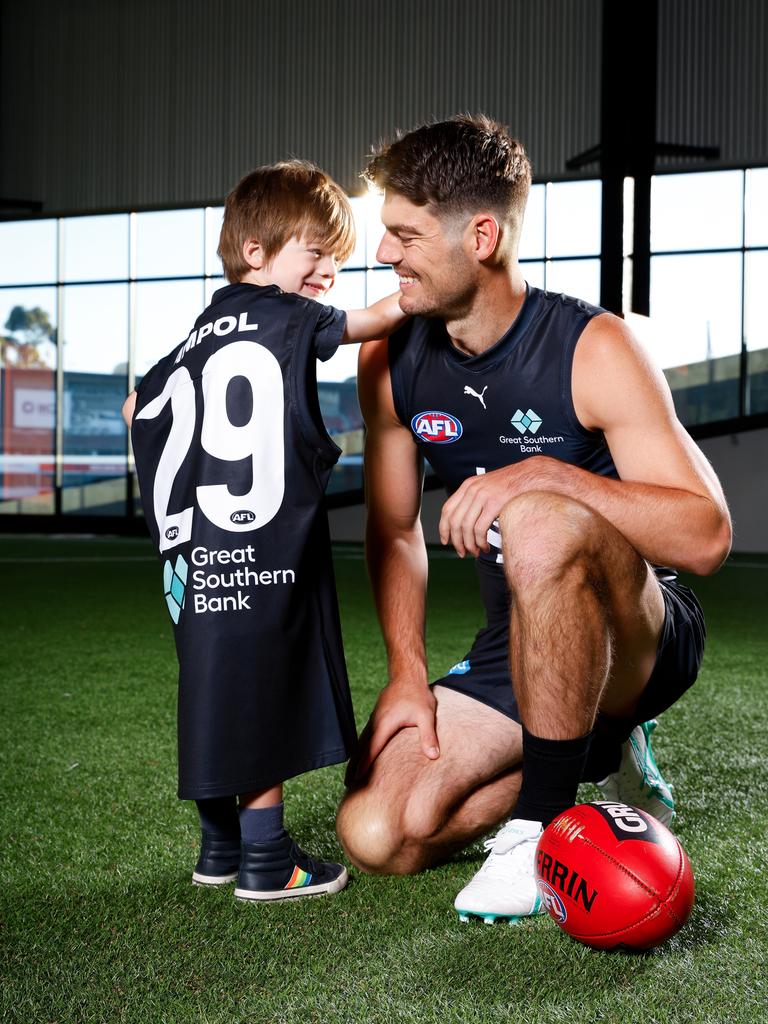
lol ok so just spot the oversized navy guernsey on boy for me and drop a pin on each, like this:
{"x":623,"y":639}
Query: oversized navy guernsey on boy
{"x":474,"y":414}
{"x":232,"y":459}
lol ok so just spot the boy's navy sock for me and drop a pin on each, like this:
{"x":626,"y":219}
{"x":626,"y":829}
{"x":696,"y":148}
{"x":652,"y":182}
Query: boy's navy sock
{"x":552,"y":770}
{"x":219,"y":816}
{"x":261,"y":824}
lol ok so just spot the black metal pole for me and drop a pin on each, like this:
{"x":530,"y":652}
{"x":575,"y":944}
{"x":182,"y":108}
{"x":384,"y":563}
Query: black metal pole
{"x":628,"y":138}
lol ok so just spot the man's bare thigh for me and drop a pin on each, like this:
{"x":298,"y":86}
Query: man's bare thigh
{"x":477,"y":743}
{"x":636,"y":617}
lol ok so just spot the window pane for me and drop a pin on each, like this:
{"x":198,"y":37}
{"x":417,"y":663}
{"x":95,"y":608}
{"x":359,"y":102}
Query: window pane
{"x":534,"y":273}
{"x":580,"y":278}
{"x":696,"y":312}
{"x":214,"y":215}
{"x":212,"y":285}
{"x":28,"y":252}
{"x":696,"y":211}
{"x":380,"y":283}
{"x":169,"y":243}
{"x":95,"y":248}
{"x":532,"y":238}
{"x":27,"y":400}
{"x":28,"y":326}
{"x":699,"y":299}
{"x":95,"y":328}
{"x":628,"y":271}
{"x":756,"y":330}
{"x":629,"y":216}
{"x":165,"y":314}
{"x":573,"y":218}
{"x":374,"y":229}
{"x":359,"y":206}
{"x":341,"y":366}
{"x":757,"y":207}
{"x":95,"y":352}
{"x":348,"y":290}
{"x":341,"y":413}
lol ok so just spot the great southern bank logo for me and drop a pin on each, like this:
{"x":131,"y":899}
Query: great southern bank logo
{"x":523,"y":421}
{"x":436,"y":427}
{"x":174,"y":585}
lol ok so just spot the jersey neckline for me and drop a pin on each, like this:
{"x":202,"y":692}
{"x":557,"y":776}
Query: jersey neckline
{"x":501,"y":348}
{"x":228,"y":290}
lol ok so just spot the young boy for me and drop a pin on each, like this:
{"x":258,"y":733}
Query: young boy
{"x":233,"y":459}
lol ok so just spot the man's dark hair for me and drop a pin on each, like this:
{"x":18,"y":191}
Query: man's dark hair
{"x":457,"y":166}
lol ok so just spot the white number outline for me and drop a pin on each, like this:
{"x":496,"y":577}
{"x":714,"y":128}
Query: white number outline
{"x":262,"y":438}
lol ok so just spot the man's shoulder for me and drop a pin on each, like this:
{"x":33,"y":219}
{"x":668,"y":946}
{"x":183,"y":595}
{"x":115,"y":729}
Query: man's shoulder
{"x":568,"y":305}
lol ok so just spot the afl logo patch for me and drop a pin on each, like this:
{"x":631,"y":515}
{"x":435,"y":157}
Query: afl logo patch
{"x":552,"y":902}
{"x":172,"y":533}
{"x":436,"y":427}
{"x":243,"y":516}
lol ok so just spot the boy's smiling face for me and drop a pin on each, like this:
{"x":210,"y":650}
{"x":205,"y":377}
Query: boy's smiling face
{"x":304,"y":265}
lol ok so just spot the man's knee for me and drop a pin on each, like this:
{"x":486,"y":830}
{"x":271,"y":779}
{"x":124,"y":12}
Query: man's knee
{"x":383,"y":839}
{"x":545,"y":535}
{"x":367,"y":832}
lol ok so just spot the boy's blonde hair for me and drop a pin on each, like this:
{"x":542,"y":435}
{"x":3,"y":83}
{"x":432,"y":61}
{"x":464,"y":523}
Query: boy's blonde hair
{"x":281,"y":201}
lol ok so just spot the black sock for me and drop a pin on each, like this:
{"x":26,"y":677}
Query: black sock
{"x":219,"y":816}
{"x":604,"y":755}
{"x":552,"y":770}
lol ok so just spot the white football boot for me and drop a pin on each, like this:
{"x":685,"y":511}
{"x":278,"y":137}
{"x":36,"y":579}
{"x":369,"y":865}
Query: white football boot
{"x":638,"y":781}
{"x":505,"y":886}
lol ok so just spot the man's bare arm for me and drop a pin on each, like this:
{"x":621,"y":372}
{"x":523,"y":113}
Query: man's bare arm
{"x":397,"y":563}
{"x":668,"y":504}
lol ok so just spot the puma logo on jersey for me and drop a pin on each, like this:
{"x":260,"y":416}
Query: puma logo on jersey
{"x":471,"y":391}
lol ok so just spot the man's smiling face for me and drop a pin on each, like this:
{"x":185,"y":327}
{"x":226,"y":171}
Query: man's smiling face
{"x":437,"y":278}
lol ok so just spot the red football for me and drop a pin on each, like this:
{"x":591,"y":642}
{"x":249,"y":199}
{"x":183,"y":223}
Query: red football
{"x":611,"y":875}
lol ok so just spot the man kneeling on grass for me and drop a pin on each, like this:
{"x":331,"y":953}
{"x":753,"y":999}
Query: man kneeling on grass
{"x":571,"y":483}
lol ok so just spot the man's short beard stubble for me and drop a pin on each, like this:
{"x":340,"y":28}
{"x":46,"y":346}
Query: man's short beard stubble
{"x":453,"y":304}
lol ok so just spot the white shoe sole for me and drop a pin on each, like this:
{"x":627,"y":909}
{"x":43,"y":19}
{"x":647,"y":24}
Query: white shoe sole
{"x":325,"y":888}
{"x":465,"y":915}
{"x":198,"y":879}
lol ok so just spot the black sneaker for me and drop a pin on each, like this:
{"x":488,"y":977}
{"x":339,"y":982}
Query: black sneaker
{"x":280,"y":870}
{"x":219,"y":860}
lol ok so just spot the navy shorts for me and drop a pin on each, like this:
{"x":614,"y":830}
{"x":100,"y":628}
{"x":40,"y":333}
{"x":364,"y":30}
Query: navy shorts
{"x":483,"y":673}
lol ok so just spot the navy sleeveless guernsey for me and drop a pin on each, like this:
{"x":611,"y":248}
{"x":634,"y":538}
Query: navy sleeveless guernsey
{"x":232,"y":460}
{"x":474,"y":414}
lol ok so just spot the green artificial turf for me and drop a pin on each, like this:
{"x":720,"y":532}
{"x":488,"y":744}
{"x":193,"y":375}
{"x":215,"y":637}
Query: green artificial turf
{"x":99,"y":922}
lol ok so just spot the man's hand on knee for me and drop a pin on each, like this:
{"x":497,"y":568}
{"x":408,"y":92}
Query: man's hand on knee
{"x":400,"y":706}
{"x":470,"y":511}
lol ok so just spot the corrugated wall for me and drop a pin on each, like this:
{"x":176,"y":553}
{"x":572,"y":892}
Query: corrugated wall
{"x":713,"y":77}
{"x":111,"y":103}
{"x":130,"y":103}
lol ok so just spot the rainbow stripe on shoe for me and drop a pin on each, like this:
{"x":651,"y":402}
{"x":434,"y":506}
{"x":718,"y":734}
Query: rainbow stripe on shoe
{"x":279,"y":870}
{"x":298,"y":879}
